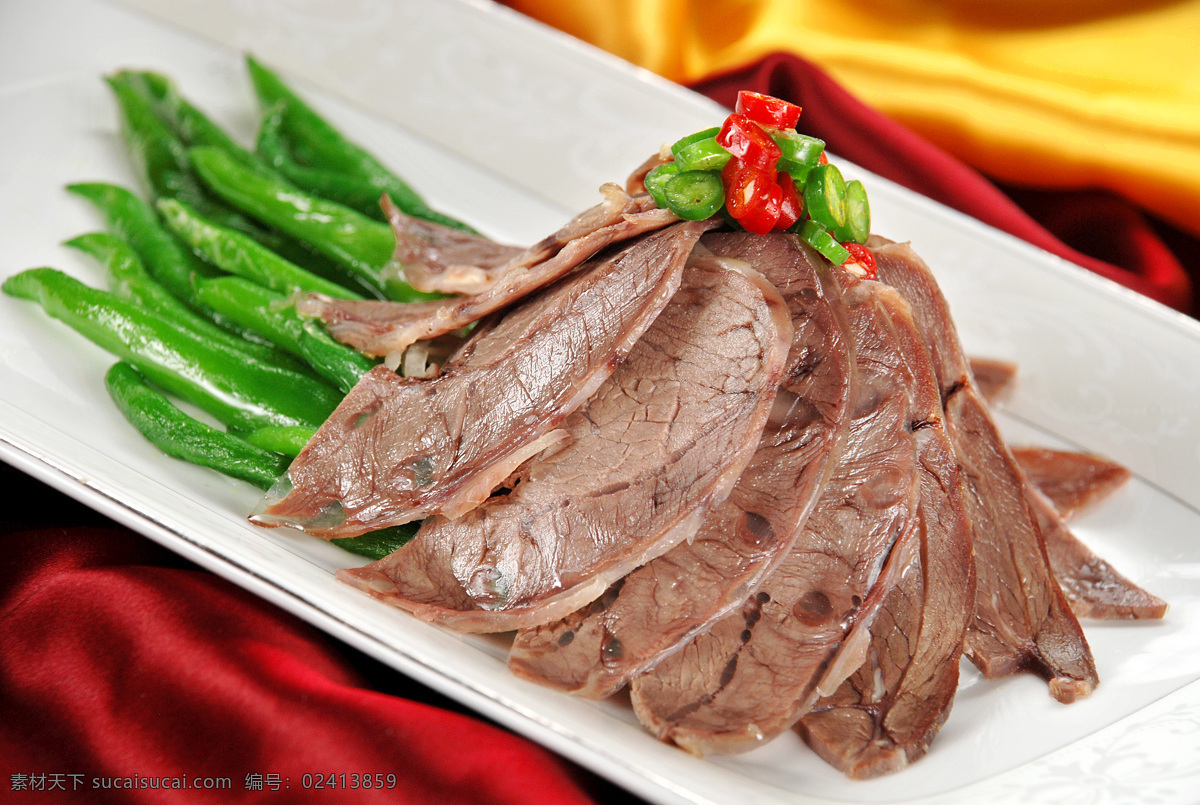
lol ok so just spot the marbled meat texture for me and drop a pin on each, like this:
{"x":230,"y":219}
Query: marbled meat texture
{"x":1022,"y":619}
{"x":887,"y":712}
{"x":399,"y":449}
{"x":757,"y":670}
{"x":593,"y":651}
{"x":386,"y":329}
{"x":660,"y":443}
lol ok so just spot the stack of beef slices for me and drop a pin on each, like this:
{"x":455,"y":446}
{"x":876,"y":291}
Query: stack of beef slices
{"x":754,"y":489}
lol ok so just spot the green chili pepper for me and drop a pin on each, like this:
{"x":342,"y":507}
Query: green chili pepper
{"x":816,"y":235}
{"x":694,"y":195}
{"x":360,"y":244}
{"x":181,"y":436}
{"x":825,"y":197}
{"x":131,"y":281}
{"x":238,"y":254}
{"x":239,"y":391}
{"x":271,"y":315}
{"x":159,"y":125}
{"x":160,"y":157}
{"x":302,"y":138}
{"x":799,"y":154}
{"x":287,"y":440}
{"x":858,"y":215}
{"x":703,"y":155}
{"x":190,"y":125}
{"x":339,"y":364}
{"x":656,"y":182}
{"x":136,"y":222}
{"x":343,"y":188}
{"x":683,"y":142}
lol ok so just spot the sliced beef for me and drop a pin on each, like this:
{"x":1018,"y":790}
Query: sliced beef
{"x":885,"y":714}
{"x":433,"y":257}
{"x":1094,"y":588}
{"x":1072,"y":481}
{"x":386,"y":329}
{"x":1022,"y":619}
{"x":994,"y":378}
{"x":659,"y":444}
{"x":645,"y":615}
{"x":756,"y":671}
{"x":635,"y":183}
{"x":398,"y":449}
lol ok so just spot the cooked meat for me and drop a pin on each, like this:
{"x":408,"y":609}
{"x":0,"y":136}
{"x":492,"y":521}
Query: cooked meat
{"x":635,"y":183}
{"x":1094,"y":588}
{"x":398,"y":449}
{"x":1072,"y":481}
{"x":1022,"y":619}
{"x":388,"y":328}
{"x":885,"y":715}
{"x":642,"y":617}
{"x":659,"y":444}
{"x":756,"y":671}
{"x":994,"y":378}
{"x":433,"y":257}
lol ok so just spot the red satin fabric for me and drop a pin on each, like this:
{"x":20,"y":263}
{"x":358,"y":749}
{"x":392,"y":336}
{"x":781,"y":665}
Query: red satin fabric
{"x":1097,"y":231}
{"x":117,"y":659}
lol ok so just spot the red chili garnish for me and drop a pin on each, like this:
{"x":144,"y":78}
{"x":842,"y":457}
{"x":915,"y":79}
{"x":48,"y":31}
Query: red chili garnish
{"x":767,"y":110}
{"x":791,"y":207}
{"x":822,"y":159}
{"x":762,"y":219}
{"x":747,"y":141}
{"x":861,"y":255}
{"x":746,"y":187}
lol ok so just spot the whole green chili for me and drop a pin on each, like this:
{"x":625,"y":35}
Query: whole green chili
{"x":130,"y":280}
{"x":303,"y":139}
{"x":239,"y":391}
{"x":360,"y":244}
{"x":159,"y":125}
{"x":287,"y":440}
{"x":272,"y":315}
{"x":184,"y":437}
{"x":238,"y":254}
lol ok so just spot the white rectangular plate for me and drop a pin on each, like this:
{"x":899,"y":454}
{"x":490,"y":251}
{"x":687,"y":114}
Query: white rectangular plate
{"x":513,"y":127}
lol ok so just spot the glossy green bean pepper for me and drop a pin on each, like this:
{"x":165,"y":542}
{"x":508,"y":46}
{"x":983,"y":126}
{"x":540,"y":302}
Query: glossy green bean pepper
{"x":238,"y":254}
{"x":184,"y":437}
{"x":360,"y":244}
{"x":130,"y":280}
{"x":271,"y":315}
{"x":159,"y":125}
{"x":239,"y":391}
{"x":134,"y":221}
{"x":311,"y":152}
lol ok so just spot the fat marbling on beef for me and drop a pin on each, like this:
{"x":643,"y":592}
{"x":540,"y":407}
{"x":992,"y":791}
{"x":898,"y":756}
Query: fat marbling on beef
{"x":398,"y":449}
{"x":645,"y":615}
{"x":660,"y":443}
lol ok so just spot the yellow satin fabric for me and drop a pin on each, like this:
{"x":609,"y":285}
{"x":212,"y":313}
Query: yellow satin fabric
{"x":1045,"y":93}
